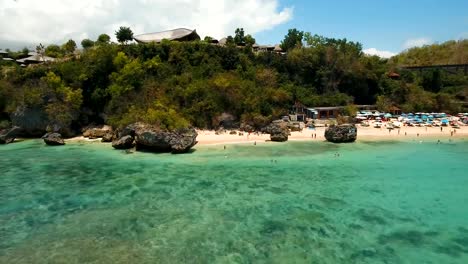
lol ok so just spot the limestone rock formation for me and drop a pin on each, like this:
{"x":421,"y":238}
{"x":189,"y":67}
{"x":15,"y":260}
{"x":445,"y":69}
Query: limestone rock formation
{"x":32,"y":121}
{"x":107,"y":137}
{"x":53,"y":139}
{"x":97,"y":131}
{"x":152,"y":138}
{"x":341,"y":133}
{"x":64,"y":130}
{"x":278,"y":131}
{"x":124,"y":142}
{"x":155,"y":139}
{"x":8,"y":135}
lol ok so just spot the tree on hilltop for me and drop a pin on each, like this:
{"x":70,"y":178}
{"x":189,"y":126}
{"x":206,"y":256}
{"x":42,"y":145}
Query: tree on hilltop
{"x":69,"y":46}
{"x":103,"y":39}
{"x":124,"y":34}
{"x":292,"y":39}
{"x":87,"y":43}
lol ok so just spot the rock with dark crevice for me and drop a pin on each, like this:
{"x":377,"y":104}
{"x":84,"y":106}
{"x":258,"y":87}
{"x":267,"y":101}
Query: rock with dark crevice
{"x":64,"y":130}
{"x":32,"y":121}
{"x":108,"y":137}
{"x":8,"y":135}
{"x":125,"y":142}
{"x":53,"y":139}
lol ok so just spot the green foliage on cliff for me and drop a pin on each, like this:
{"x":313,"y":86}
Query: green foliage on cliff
{"x":175,"y":84}
{"x":450,"y":52}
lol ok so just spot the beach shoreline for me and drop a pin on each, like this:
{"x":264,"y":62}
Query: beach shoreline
{"x":211,"y":137}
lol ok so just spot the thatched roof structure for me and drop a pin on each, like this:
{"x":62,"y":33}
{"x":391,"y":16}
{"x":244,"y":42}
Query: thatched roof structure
{"x":36,"y":59}
{"x":179,"y":34}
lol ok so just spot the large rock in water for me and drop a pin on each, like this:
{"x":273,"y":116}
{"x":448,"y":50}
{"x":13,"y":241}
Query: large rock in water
{"x":341,"y":133}
{"x":8,"y":135}
{"x":53,"y":139}
{"x":152,"y":138}
{"x":278,"y":131}
{"x":124,"y":142}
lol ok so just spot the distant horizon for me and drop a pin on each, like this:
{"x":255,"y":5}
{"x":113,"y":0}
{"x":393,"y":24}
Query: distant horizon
{"x":384,"y":29}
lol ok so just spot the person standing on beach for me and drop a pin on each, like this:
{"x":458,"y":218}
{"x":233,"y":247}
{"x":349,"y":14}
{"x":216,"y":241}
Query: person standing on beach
{"x":441,"y":129}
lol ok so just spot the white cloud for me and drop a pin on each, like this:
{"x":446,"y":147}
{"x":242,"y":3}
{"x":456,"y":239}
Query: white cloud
{"x":380,"y":53}
{"x":55,"y":21}
{"x":417,"y":42}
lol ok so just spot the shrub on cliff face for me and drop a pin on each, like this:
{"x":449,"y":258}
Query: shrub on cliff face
{"x":157,"y":114}
{"x":64,"y":103}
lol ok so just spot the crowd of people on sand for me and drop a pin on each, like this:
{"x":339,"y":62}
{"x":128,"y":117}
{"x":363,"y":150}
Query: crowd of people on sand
{"x":371,"y":127}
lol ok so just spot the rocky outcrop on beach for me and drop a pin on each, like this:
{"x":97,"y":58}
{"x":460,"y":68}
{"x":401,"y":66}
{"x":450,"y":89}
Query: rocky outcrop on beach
{"x":93,"y":132}
{"x":246,"y":127}
{"x":32,"y":121}
{"x":226,"y":121}
{"x":152,"y":138}
{"x":341,"y":133}
{"x":8,"y":135}
{"x":53,"y":139}
{"x":124,"y":142}
{"x":64,"y":130}
{"x":278,"y":131}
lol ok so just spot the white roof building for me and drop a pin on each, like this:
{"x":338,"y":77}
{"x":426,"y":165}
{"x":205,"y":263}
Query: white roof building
{"x":178,"y":34}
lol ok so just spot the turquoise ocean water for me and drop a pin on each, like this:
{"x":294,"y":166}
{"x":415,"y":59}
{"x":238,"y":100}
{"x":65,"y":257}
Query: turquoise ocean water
{"x":295,"y":202}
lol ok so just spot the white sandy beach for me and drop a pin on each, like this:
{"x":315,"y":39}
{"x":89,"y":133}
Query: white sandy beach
{"x":207,"y":137}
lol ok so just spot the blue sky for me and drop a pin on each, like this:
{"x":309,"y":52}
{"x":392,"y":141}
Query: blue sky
{"x":383,"y":25}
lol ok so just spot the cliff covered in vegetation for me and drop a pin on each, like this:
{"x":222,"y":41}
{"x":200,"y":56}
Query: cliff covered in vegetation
{"x":177,"y":84}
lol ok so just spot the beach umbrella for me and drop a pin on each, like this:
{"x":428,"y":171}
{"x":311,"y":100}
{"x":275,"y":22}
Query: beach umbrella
{"x":388,"y":115}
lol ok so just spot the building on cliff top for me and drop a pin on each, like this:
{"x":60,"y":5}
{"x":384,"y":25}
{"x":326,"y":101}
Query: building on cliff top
{"x":178,"y":34}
